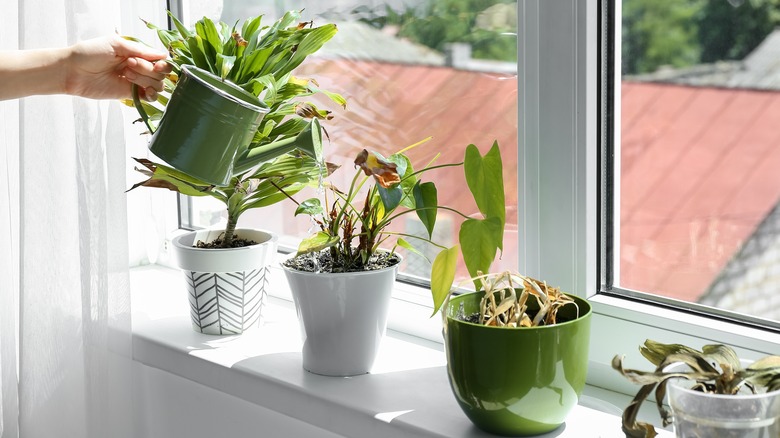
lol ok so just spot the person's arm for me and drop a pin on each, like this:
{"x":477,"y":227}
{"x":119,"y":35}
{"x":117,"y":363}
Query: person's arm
{"x":101,"y":68}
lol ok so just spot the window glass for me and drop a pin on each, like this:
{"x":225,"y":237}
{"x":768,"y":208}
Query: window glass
{"x":698,"y":163}
{"x":409,"y":70}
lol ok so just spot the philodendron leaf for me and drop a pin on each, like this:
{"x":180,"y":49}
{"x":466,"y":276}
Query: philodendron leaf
{"x":404,"y":244}
{"x":480,"y":242}
{"x":443,"y":275}
{"x":311,"y":207}
{"x":485,"y":179}
{"x":390,"y":197}
{"x":317,"y":242}
{"x":426,"y":200}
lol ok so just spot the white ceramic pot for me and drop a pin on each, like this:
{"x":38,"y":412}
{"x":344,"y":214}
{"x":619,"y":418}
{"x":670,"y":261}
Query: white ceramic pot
{"x":342,"y":317}
{"x":225,"y":287}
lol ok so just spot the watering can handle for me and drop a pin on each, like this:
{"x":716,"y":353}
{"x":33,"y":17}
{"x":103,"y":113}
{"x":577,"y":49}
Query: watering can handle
{"x":139,"y":106}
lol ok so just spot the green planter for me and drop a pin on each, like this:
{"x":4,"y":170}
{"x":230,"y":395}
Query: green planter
{"x":517,"y":381}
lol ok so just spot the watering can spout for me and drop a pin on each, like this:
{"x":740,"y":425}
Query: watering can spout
{"x":308,"y":141}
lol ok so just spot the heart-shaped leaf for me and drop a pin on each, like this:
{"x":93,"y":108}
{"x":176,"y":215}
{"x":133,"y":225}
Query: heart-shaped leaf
{"x":311,"y":206}
{"x":480,"y":239}
{"x":484,"y":177}
{"x":425,"y":199}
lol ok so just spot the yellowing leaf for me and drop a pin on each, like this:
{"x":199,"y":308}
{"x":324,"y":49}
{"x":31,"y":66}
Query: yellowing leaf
{"x":443,"y":275}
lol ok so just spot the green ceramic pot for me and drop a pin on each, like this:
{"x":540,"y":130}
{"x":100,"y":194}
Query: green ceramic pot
{"x":517,"y":381}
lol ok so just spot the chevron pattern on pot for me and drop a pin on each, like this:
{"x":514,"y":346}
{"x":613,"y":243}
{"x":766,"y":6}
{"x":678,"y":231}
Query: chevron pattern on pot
{"x":226,"y":303}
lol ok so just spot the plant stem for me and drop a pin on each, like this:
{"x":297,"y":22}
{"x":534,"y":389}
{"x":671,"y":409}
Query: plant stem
{"x":230,"y":229}
{"x":392,"y":218}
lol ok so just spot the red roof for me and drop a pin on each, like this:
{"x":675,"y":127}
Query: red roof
{"x":700,"y":169}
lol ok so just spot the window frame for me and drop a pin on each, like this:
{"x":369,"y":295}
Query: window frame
{"x":627,"y":318}
{"x":563,"y":80}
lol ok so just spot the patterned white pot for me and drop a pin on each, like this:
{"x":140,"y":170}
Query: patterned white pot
{"x":226,"y":287}
{"x":342,"y":318}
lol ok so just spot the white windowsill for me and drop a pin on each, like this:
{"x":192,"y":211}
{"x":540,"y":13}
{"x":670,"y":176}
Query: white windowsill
{"x":407,"y":394}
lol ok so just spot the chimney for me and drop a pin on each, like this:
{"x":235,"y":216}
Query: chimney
{"x":457,"y":55}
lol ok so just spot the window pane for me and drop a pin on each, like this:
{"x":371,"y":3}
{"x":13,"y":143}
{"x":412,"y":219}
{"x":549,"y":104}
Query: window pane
{"x":409,"y":70}
{"x":699,"y":181}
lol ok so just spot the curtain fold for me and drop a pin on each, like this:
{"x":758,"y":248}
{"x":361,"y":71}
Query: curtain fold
{"x":65,"y":335}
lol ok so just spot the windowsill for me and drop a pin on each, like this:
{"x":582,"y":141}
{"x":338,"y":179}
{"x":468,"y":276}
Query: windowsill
{"x":407,"y":394}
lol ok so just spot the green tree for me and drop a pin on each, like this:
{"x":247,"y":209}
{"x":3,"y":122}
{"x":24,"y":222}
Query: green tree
{"x":658,"y":33}
{"x":730,"y":30}
{"x":490,"y":26}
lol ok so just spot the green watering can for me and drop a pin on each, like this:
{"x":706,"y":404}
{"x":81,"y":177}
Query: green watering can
{"x":208,"y":127}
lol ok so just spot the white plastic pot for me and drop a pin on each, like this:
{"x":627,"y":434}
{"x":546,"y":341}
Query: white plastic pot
{"x":225,"y":286}
{"x":342,"y":318}
{"x":696,"y":414}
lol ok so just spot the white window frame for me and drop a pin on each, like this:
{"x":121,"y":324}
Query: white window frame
{"x":559,"y":221}
{"x":560,"y":101}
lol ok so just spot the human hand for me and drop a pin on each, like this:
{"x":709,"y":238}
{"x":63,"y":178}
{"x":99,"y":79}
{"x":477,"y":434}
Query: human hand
{"x":104,"y":68}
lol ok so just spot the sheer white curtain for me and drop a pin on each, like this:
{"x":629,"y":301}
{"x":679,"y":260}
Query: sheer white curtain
{"x":65,"y":342}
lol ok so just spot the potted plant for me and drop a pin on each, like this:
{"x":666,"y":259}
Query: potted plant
{"x":225,"y":269}
{"x":517,"y":349}
{"x":711,"y":392}
{"x":341,"y":279}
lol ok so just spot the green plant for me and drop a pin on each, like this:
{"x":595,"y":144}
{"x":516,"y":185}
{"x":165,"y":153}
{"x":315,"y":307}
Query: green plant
{"x":353,"y":233}
{"x":260,"y":59}
{"x":716,"y":369}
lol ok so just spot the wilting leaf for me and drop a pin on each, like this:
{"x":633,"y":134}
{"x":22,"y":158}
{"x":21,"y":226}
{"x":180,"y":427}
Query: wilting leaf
{"x":656,"y":352}
{"x":723,"y":356}
{"x":165,"y":177}
{"x":309,"y":111}
{"x":443,"y":275}
{"x":765,"y":363}
{"x":384,"y":172}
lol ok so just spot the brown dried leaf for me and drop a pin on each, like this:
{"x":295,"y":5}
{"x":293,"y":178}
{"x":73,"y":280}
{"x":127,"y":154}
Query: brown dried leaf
{"x":240,"y":41}
{"x":384,"y":172}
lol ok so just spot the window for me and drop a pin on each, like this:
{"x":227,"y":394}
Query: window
{"x":567,"y":234}
{"x":564,"y":224}
{"x":409,"y":70}
{"x":697,"y":189}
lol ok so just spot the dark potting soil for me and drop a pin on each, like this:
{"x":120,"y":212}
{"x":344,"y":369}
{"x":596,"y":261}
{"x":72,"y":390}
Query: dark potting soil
{"x":323,"y":262}
{"x":217,"y":243}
